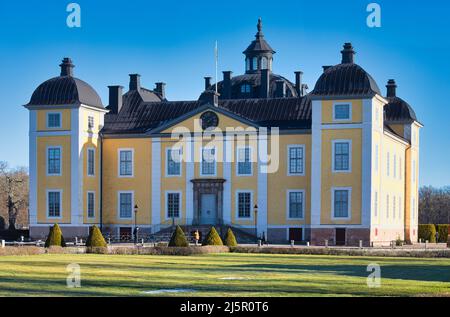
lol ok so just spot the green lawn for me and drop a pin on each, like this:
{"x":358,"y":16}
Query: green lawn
{"x":223,"y":275}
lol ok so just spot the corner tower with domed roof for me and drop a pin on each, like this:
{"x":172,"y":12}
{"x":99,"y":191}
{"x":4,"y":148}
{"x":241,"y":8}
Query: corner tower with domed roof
{"x":66,"y":115}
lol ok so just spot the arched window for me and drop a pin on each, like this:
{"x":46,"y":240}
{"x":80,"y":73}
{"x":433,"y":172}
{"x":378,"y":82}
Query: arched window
{"x":264,"y":63}
{"x":247,"y":63}
{"x":255,"y":63}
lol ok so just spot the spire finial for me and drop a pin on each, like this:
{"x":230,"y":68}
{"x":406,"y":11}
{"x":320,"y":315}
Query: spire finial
{"x":259,"y":26}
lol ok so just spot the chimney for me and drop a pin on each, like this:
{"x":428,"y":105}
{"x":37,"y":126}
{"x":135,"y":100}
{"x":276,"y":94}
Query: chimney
{"x":207,"y":82}
{"x":265,"y":83}
{"x":67,"y":67}
{"x":161,"y":89}
{"x":298,"y":83}
{"x":391,"y":88}
{"x":348,"y":54}
{"x":210,"y":97}
{"x":115,"y":98}
{"x":325,"y":68}
{"x":226,"y":89}
{"x":281,"y":89}
{"x":135,"y":82}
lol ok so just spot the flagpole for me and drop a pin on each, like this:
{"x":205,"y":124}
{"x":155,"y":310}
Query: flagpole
{"x":216,"y":55}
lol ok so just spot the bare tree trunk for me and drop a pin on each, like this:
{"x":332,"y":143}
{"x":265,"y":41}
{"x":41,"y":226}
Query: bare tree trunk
{"x":12,"y":213}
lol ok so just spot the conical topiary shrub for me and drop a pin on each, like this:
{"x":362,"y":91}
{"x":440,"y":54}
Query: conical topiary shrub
{"x":55,"y":237}
{"x":212,"y":238}
{"x":178,"y":238}
{"x":96,"y":239}
{"x":230,"y":239}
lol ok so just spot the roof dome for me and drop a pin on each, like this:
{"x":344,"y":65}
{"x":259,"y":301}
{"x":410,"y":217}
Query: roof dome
{"x":65,"y":90}
{"x":346,"y":79}
{"x":253,"y":89}
{"x":397,"y":110}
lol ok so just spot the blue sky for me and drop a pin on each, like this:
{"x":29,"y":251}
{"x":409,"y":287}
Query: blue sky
{"x":173,"y":41}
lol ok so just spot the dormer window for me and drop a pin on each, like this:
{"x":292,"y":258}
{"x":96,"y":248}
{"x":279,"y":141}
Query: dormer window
{"x":54,"y":120}
{"x":255,"y":63}
{"x":247,"y":64}
{"x":246,"y":89}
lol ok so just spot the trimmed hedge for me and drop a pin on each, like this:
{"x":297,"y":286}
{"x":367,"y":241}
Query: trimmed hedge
{"x":178,"y":238}
{"x":212,"y":238}
{"x":443,"y":233}
{"x":55,"y":237}
{"x":230,"y":239}
{"x":95,"y":239}
{"x":427,"y":233}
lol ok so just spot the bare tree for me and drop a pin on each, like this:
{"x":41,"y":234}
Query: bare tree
{"x":14,"y":194}
{"x":434,"y":205}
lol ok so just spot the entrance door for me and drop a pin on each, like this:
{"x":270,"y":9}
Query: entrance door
{"x":340,"y":236}
{"x":208,"y":209}
{"x":296,"y":234}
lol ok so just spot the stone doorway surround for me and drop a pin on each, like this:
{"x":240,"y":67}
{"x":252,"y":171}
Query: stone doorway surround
{"x":208,"y":186}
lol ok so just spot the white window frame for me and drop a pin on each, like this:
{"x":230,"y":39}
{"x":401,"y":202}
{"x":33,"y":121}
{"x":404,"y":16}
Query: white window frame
{"x":288,"y":205}
{"x":236,"y":198}
{"x":87,"y":204}
{"x":93,"y":122}
{"x":333,"y":190}
{"x":215,"y":161}
{"x":166,"y":204}
{"x":132,"y":204}
{"x":132,"y":162}
{"x":87,"y":161}
{"x":60,"y":191}
{"x":60,"y":160}
{"x":350,"y":114}
{"x":167,"y":161}
{"x":239,"y":148}
{"x":350,"y":154}
{"x":47,"y":119}
{"x":289,"y":147}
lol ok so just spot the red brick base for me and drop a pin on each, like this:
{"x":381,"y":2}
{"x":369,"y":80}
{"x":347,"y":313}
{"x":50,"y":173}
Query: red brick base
{"x":352,"y":238}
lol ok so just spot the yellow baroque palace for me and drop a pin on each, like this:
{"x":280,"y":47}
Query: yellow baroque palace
{"x":256,"y":152}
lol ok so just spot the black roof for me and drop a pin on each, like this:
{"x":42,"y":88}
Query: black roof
{"x":398,"y":110}
{"x":286,"y":113}
{"x":259,"y":45}
{"x":254,"y":80}
{"x":345,"y":80}
{"x":65,"y":90}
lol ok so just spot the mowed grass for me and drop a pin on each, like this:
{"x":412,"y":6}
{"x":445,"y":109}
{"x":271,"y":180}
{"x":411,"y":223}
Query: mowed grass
{"x":222,"y":275}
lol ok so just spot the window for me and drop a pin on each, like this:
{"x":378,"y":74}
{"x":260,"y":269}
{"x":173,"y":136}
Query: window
{"x":126,"y":163}
{"x":54,"y":120}
{"x":376,"y":157}
{"x":341,"y":150}
{"x":173,"y":205}
{"x":91,"y":162}
{"x":126,"y":205}
{"x":296,"y":160}
{"x":387,"y":206}
{"x":208,"y":162}
{"x":341,"y":203}
{"x":247,"y":63}
{"x":173,"y":162}
{"x":54,"y":204}
{"x":376,"y":204}
{"x":295,"y":204}
{"x":244,"y":202}
{"x":264,"y":63}
{"x":395,"y":166}
{"x":342,"y":112}
{"x":394,"y":211}
{"x":54,"y":161}
{"x":244,"y":163}
{"x":246,"y":88}
{"x":255,"y":63}
{"x":90,"y":204}
{"x":387,"y":164}
{"x":90,"y":123}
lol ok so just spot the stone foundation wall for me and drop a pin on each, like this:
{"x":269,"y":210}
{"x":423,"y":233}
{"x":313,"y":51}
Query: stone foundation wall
{"x":352,"y":236}
{"x":276,"y":235}
{"x":69,"y":232}
{"x":383,"y":237}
